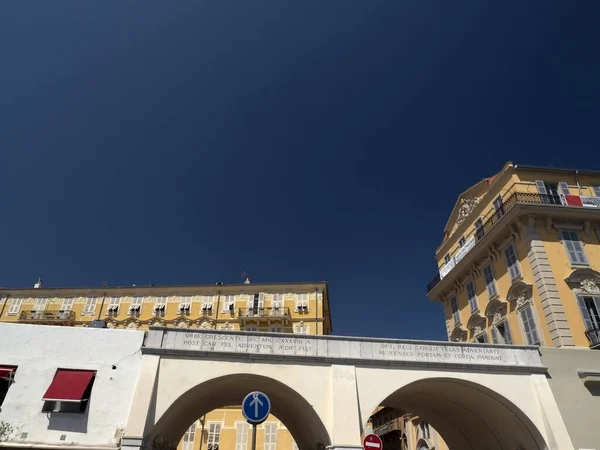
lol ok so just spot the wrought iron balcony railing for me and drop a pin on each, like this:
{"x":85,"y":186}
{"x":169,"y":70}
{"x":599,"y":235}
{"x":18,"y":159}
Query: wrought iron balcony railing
{"x":495,"y":215}
{"x":271,"y":312}
{"x":47,"y":315}
{"x":593,"y":335}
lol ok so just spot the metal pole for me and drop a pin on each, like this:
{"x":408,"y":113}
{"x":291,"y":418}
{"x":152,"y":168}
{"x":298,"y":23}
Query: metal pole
{"x":253,"y":437}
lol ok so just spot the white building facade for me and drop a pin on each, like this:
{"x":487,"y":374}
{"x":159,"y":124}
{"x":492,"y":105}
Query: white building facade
{"x":67,"y":387}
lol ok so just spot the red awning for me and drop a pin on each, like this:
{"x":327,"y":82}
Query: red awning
{"x":6,"y":371}
{"x":69,"y":385}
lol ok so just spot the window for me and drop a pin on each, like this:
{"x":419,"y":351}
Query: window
{"x":40,"y":305}
{"x":512,"y":262}
{"x":590,"y":311}
{"x":472,"y":296}
{"x":425,"y":430}
{"x":596,"y":190}
{"x":455,"y":312}
{"x":229,"y":303}
{"x":241,"y":438}
{"x":113,"y":306}
{"x":276,"y":330}
{"x":160,"y":306}
{"x":482,"y":338}
{"x":270,"y":436}
{"x":214,"y":436}
{"x":301,"y":329}
{"x":90,"y":306}
{"x":574,"y":247}
{"x":7,"y":375}
{"x":69,"y":391}
{"x":499,"y":207}
{"x":189,"y":437}
{"x":256,"y":304}
{"x":135,"y":308}
{"x":479,"y":229}
{"x":564,"y":188}
{"x":548,"y":192}
{"x":185,"y":305}
{"x":15,"y":306}
{"x":67,"y":304}
{"x":250,"y":328}
{"x":447,"y":258}
{"x":490,"y":281}
{"x":277,"y":301}
{"x":207,"y":304}
{"x":462,"y":241}
{"x":501,"y":333}
{"x":529,"y":326}
{"x":301,"y":303}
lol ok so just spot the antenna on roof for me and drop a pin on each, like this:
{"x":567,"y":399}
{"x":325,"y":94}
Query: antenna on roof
{"x":38,"y":284}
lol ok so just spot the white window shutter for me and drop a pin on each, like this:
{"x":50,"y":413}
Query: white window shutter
{"x":67,"y":304}
{"x":507,"y":334}
{"x":541,"y":187}
{"x":15,"y":306}
{"x":495,"y":336}
{"x":564,"y":188}
{"x":250,"y":303}
{"x":261,"y":300}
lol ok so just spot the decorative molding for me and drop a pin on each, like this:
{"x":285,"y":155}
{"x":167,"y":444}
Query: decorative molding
{"x":459,"y":335}
{"x":589,"y":286}
{"x":467,"y":205}
{"x":567,"y":226}
{"x":521,"y":294}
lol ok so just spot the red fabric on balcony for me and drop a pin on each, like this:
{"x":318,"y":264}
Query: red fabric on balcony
{"x":573,"y":200}
{"x":69,"y":385}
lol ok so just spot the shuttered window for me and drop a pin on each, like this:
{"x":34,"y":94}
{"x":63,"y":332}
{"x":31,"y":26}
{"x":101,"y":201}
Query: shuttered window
{"x":160,"y":305}
{"x":40,"y":304}
{"x":90,"y":305}
{"x":276,"y":330}
{"x":67,"y":304}
{"x":241,"y":437}
{"x":301,"y":329}
{"x":207,"y":303}
{"x":472,"y":296}
{"x":229,"y":303}
{"x":15,"y":306}
{"x":564,"y":188}
{"x":512,"y":262}
{"x":214,"y":436}
{"x":596,"y":190}
{"x":590,"y":311}
{"x":113,"y":306}
{"x":455,"y":312}
{"x":529,"y":326}
{"x":490,"y":281}
{"x":541,"y":187}
{"x":136,"y":306}
{"x":501,"y":333}
{"x":270,"y":436}
{"x":574,"y":247}
{"x":302,"y":302}
{"x":189,"y":437}
{"x":277,"y":301}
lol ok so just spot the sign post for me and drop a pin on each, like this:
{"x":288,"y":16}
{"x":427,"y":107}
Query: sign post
{"x":256,"y":407}
{"x":372,"y":442}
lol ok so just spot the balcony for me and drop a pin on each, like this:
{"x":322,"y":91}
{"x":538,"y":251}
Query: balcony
{"x":593,"y":335}
{"x":48,"y":316}
{"x":277,"y":313}
{"x":392,"y":425}
{"x":493,"y":216}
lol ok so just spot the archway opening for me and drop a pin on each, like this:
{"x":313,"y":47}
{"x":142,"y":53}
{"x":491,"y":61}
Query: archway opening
{"x":466,"y":415}
{"x":298,"y":416}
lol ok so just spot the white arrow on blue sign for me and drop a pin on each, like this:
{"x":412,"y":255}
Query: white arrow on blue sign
{"x":256,"y":407}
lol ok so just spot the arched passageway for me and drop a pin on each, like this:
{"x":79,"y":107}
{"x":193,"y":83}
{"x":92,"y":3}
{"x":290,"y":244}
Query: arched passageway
{"x":468,"y":416}
{"x":288,"y":406}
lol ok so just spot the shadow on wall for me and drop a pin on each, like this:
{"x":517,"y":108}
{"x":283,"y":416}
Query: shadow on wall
{"x":64,"y":421}
{"x":593,"y":387}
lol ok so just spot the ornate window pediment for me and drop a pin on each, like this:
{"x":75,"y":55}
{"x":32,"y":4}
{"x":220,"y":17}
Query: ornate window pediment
{"x":496,"y":310}
{"x":521,"y":294}
{"x":476,"y":324}
{"x":459,"y":334}
{"x":584,"y":281}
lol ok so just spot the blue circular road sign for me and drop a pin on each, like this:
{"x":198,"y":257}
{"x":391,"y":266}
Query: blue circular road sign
{"x":256,"y":407}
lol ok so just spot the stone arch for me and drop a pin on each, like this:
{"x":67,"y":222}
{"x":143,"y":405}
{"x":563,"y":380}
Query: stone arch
{"x":288,"y":406}
{"x":468,"y":415}
{"x":423,"y":444}
{"x":459,"y":334}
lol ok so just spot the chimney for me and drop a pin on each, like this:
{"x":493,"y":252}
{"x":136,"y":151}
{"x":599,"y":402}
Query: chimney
{"x":38,"y":284}
{"x":247,"y":280}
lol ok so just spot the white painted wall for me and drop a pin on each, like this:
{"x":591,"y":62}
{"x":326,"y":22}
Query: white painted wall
{"x":38,"y":351}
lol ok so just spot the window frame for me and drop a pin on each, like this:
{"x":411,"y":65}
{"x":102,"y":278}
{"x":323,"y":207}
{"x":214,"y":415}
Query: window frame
{"x":455,"y":310}
{"x":491,"y":282}
{"x":472,"y":299}
{"x":135,"y":307}
{"x":114,"y":306}
{"x":212,"y":433}
{"x":515,"y":266}
{"x":273,"y":436}
{"x":524,"y":324}
{"x":89,"y":308}
{"x":302,"y":302}
{"x":244,"y":427}
{"x":566,"y":237}
{"x":14,"y":308}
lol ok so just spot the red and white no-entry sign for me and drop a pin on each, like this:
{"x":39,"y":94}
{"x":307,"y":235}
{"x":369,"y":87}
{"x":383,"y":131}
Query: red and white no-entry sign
{"x":372,"y":442}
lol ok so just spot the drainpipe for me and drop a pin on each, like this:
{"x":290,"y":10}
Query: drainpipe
{"x":316,"y":310}
{"x":101,"y":306}
{"x":6,"y":298}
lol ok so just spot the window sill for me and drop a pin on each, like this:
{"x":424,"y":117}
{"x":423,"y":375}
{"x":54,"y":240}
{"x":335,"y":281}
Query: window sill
{"x":493,"y":297}
{"x":516,"y":279}
{"x":579,"y":265}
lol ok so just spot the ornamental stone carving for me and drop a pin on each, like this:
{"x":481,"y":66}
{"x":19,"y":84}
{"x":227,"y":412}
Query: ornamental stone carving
{"x":477,"y":330}
{"x":497,"y":317}
{"x":206,"y":324}
{"x":467,"y":205}
{"x":459,"y":335}
{"x":589,"y":286}
{"x":133,"y":325}
{"x":522,"y":300}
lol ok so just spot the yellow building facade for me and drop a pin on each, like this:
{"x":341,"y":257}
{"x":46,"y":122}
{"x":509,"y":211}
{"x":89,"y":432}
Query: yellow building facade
{"x":520,"y":259}
{"x":300,"y":308}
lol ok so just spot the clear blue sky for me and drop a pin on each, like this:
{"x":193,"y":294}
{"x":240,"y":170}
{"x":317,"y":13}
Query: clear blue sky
{"x":184,"y":142}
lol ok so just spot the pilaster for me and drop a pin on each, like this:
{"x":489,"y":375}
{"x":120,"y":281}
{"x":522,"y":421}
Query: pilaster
{"x":347,"y":423}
